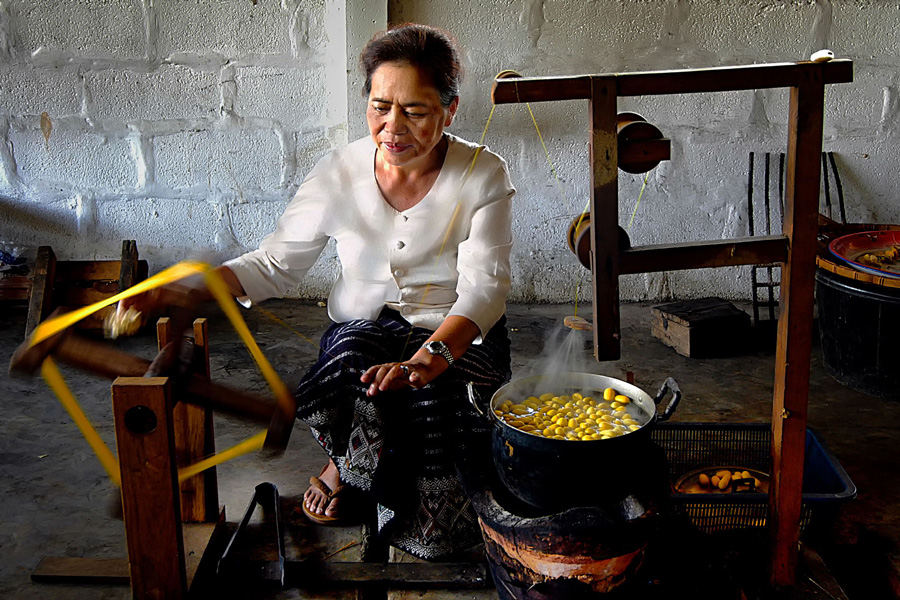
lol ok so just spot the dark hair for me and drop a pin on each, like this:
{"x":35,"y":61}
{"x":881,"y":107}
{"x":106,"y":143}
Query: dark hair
{"x":429,"y":49}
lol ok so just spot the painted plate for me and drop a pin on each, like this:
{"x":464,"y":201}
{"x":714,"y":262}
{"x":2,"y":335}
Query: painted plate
{"x":875,"y":252}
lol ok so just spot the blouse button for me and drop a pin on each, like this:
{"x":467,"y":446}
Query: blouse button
{"x":406,"y":310}
{"x":405,"y":218}
{"x":400,"y":245}
{"x":399,"y":272}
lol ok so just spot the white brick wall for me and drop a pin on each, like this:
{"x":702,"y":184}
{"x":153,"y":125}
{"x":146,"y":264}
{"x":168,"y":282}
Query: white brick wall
{"x":86,"y":29}
{"x":165,"y":116}
{"x":250,"y":223}
{"x":167,"y":92}
{"x":73,"y":159}
{"x":291,"y":97}
{"x":33,"y":223}
{"x":231,"y":162}
{"x":210,"y":112}
{"x":179,"y":228}
{"x":29,"y":91}
{"x":232,"y":29}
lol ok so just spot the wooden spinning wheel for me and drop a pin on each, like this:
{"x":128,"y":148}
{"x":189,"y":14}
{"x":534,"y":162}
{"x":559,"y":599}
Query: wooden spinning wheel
{"x":101,"y":359}
{"x":163,"y":423}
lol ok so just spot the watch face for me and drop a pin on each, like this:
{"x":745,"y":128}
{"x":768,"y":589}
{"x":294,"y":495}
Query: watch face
{"x":438,"y":348}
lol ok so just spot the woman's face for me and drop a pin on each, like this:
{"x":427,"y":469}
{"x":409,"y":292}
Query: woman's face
{"x":405,"y":115}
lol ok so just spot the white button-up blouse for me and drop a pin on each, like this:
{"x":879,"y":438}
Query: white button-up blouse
{"x":447,"y":255}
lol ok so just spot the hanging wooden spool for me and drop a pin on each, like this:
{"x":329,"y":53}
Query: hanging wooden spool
{"x":579,"y":238}
{"x":641,"y":144}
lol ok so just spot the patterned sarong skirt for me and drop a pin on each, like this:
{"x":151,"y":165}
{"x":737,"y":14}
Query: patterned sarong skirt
{"x":402,"y":448}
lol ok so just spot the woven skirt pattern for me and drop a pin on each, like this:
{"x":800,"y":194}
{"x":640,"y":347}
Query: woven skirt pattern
{"x":402,"y":448}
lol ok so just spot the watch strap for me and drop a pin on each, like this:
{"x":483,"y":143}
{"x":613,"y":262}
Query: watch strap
{"x":438,"y":348}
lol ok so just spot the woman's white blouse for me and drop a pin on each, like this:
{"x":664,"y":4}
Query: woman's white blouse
{"x":447,"y":255}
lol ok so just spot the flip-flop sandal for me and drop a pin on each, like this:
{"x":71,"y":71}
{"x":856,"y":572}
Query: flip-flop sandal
{"x":330,"y":495}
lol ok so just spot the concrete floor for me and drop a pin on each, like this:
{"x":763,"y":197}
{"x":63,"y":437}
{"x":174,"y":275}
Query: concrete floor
{"x":55,"y":497}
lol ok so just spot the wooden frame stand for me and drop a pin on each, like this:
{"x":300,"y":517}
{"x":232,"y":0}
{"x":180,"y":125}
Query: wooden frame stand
{"x":154,"y":436}
{"x":795,"y":249}
{"x":74,"y":283}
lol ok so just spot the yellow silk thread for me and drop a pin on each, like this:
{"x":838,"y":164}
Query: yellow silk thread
{"x":53,"y":326}
{"x":249,"y":445}
{"x":638,"y":203}
{"x":57,"y":384}
{"x":55,"y":380}
{"x":226,"y":301}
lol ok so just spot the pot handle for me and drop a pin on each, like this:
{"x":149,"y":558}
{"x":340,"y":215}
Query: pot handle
{"x":669,"y":385}
{"x":474,"y":399}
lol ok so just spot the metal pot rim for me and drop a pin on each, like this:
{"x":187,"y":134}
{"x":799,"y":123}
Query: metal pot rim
{"x":526,"y":386}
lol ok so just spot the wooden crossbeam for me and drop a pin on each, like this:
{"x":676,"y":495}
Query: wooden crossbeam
{"x":705,"y":254}
{"x":656,"y":83}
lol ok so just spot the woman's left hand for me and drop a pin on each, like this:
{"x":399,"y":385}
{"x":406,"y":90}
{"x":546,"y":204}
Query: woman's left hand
{"x":395,"y":376}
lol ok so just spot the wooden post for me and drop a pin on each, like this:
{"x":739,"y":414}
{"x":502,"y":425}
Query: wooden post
{"x":41,"y":301}
{"x":605,"y":217}
{"x":128,"y":266}
{"x":202,"y":423}
{"x":194,"y":438}
{"x":792,"y":355}
{"x":142,"y":407}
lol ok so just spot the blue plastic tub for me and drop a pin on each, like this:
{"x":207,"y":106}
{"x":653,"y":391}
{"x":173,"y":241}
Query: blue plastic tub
{"x":692,"y":446}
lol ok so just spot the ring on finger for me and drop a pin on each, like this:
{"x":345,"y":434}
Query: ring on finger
{"x":405,"y":370}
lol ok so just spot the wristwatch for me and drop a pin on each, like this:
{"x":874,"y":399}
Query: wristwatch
{"x":438,"y":348}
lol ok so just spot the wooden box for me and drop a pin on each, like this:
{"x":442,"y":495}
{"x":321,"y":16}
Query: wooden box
{"x":702,"y":328}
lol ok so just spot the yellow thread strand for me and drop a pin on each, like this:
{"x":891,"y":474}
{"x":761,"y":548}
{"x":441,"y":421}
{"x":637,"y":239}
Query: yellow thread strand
{"x":346,"y":546}
{"x":556,"y":179}
{"x":53,"y":326}
{"x":229,"y":307}
{"x":638,"y":203}
{"x":576,"y":298}
{"x":249,"y":445}
{"x":56,"y":382}
{"x":488,"y":124}
{"x":179,"y":271}
{"x":286,"y":325}
{"x":462,"y":183}
{"x":562,"y":192}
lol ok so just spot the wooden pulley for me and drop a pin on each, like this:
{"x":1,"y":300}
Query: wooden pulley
{"x":579,"y":239}
{"x":101,"y":359}
{"x":507,"y":74}
{"x":641,"y":144}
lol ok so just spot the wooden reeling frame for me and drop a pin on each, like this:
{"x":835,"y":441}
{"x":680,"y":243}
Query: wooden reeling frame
{"x":795,"y":249}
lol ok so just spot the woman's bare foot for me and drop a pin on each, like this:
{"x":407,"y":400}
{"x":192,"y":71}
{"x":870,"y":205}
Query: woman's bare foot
{"x":316,"y":500}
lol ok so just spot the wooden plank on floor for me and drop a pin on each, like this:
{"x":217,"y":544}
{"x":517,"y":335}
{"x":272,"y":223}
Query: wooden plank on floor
{"x":468,"y":580}
{"x":413,"y":575}
{"x":65,"y":569}
{"x":115,"y":571}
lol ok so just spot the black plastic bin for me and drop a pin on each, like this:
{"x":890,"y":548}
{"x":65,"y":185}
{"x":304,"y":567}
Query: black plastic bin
{"x":692,"y":446}
{"x":859,"y":324}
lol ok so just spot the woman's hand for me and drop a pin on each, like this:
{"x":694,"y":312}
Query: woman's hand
{"x":398,"y":375}
{"x":181,"y":299}
{"x":422,"y":367}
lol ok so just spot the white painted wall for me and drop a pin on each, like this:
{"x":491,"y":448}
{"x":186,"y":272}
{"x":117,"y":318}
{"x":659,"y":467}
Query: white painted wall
{"x":186,"y":124}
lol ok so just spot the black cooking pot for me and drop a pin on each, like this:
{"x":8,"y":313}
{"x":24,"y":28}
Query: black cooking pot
{"x":552,"y":475}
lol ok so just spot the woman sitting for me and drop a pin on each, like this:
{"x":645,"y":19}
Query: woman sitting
{"x":421,"y":221}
